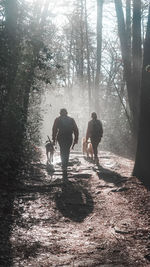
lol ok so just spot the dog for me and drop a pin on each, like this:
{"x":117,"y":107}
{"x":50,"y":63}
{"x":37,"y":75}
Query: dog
{"x":87,"y":148}
{"x":49,"y":150}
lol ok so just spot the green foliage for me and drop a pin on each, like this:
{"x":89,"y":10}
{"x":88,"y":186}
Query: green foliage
{"x":25,"y":58}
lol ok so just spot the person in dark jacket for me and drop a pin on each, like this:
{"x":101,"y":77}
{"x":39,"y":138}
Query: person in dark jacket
{"x":64,"y":128}
{"x":94,"y":133}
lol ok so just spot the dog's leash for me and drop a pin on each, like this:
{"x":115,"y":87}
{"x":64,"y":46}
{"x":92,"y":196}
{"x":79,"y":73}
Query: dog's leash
{"x":49,"y":139}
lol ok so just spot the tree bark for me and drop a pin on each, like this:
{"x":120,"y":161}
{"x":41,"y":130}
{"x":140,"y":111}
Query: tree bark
{"x":141,"y":167}
{"x":81,"y":47}
{"x":11,"y":13}
{"x":99,"y":50}
{"x":124,"y":46}
{"x":128,"y":27}
{"x":132,"y":82}
{"x":136,"y":60}
{"x":88,"y":59}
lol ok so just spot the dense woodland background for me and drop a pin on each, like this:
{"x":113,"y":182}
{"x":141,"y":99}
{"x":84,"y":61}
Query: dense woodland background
{"x":83,"y":55}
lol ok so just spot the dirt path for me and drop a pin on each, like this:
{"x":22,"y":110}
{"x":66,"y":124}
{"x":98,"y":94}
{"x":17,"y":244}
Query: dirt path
{"x":99,"y":218}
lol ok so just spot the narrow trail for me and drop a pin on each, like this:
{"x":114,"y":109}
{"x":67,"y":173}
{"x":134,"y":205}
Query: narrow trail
{"x":99,"y":218}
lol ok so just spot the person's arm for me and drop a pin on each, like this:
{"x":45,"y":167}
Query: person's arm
{"x":88,"y":132}
{"x":55,"y":130}
{"x":76,"y":132}
{"x":101,"y":129}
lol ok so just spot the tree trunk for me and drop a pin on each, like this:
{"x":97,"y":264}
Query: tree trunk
{"x":81,"y":47}
{"x":128,"y":28}
{"x":36,"y":50}
{"x":88,"y":59}
{"x":11,"y":12}
{"x":99,"y":50}
{"x":136,"y":60}
{"x":141,"y":167}
{"x":125,"y":48}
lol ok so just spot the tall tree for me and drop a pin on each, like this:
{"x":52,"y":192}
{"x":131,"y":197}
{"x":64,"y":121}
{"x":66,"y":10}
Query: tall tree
{"x":23,"y":57}
{"x":79,"y":34}
{"x":11,"y":15}
{"x":81,"y":44}
{"x":88,"y":57}
{"x":128,"y":27}
{"x":136,"y":60}
{"x":132,"y":85}
{"x":141,"y":167}
{"x":40,"y":23}
{"x":99,"y":52}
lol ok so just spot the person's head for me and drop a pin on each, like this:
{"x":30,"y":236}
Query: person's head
{"x":94,"y":115}
{"x":63,"y":112}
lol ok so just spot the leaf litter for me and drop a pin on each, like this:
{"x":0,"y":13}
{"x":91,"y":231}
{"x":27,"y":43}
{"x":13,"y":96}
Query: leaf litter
{"x":99,"y":217}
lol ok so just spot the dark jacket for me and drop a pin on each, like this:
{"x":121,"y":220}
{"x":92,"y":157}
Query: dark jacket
{"x":94,"y":130}
{"x":63,"y":128}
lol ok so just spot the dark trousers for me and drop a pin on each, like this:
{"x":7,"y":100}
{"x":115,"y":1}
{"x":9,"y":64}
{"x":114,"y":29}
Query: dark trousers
{"x":65,"y":145}
{"x":95,"y":143}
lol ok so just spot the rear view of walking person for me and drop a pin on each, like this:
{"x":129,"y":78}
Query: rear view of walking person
{"x":64,"y":128}
{"x":95,"y":133}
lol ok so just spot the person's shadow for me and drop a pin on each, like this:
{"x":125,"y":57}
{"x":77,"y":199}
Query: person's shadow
{"x":110,"y":176}
{"x":74,"y":202}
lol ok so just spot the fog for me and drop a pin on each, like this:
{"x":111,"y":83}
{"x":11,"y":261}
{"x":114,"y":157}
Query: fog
{"x":76,"y":104}
{"x":117,"y":137}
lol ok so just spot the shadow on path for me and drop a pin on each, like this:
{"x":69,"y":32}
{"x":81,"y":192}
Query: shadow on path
{"x":6,"y":222}
{"x":74,"y":202}
{"x":110,"y":176}
{"x":107,"y":175}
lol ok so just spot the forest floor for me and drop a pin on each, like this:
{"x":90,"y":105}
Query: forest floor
{"x":100,"y":217}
